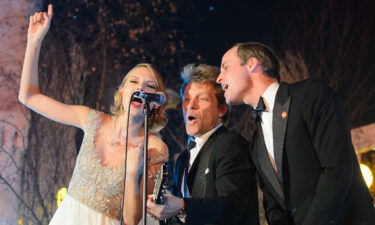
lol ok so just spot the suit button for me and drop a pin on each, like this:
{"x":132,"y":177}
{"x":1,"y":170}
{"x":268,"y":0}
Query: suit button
{"x":331,"y":222}
{"x":294,"y":210}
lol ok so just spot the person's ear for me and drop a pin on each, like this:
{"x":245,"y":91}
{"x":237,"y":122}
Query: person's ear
{"x":222,"y":110}
{"x":252,"y":64}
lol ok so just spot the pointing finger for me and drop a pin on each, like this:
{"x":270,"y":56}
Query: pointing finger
{"x":50,"y":10}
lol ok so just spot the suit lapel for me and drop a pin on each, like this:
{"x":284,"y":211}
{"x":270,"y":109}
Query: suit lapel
{"x":279,"y":123}
{"x":265,"y":163}
{"x":181,"y":163}
{"x":193,"y":170}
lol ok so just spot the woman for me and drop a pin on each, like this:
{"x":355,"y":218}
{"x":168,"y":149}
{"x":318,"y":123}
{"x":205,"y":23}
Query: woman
{"x":95,"y":191}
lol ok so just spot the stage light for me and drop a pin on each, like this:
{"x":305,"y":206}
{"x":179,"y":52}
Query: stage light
{"x":60,"y":195}
{"x":367,"y":174}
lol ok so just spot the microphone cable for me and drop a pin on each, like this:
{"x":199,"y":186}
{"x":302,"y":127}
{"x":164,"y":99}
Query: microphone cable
{"x":125,"y":162}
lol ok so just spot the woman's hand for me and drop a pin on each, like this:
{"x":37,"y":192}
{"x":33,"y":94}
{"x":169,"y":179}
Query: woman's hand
{"x":39,"y":24}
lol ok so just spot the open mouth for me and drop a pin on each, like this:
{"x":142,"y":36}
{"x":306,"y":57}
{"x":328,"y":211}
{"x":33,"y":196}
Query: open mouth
{"x":191,"y":118}
{"x":224,"y":86}
{"x":136,"y":99}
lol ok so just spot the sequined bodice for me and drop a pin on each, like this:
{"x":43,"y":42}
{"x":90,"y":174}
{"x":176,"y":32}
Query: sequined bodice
{"x":96,"y":186}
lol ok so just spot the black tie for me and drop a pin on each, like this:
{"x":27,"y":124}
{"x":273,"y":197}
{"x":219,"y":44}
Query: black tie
{"x":191,"y":144}
{"x":186,"y":165}
{"x":257,"y":112}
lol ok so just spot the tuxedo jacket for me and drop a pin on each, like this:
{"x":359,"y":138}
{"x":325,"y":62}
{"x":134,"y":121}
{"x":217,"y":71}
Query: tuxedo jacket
{"x":223,"y":184}
{"x":318,"y":181}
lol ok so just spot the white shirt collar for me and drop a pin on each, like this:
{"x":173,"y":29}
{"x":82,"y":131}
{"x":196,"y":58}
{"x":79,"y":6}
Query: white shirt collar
{"x":269,"y":96}
{"x":203,"y":138}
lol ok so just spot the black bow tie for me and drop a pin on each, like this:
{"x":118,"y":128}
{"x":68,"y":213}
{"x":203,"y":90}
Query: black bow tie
{"x":257,"y":112}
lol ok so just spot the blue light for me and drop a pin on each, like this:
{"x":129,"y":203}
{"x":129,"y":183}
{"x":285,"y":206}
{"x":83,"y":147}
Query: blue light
{"x":211,"y":8}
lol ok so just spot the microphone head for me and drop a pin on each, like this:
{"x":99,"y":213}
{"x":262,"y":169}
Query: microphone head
{"x":137,"y":96}
{"x":157,"y":98}
{"x":162,"y":98}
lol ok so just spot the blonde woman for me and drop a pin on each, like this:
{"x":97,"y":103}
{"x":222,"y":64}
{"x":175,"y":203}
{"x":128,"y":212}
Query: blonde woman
{"x":95,"y":190}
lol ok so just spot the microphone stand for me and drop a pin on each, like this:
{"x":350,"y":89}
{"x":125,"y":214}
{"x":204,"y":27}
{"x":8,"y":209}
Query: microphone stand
{"x":146,"y":113}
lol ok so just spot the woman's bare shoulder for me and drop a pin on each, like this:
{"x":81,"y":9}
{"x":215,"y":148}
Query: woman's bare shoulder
{"x":158,"y":148}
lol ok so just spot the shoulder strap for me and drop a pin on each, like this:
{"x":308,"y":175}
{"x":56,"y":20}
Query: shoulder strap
{"x":93,"y":120}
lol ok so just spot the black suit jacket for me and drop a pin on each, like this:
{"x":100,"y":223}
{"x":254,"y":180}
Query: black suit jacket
{"x":228,"y":195}
{"x":320,"y":182}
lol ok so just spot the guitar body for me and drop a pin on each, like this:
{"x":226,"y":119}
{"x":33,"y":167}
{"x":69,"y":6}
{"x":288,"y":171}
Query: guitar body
{"x":160,"y":188}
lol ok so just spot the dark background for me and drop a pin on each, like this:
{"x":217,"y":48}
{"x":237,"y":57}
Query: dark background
{"x":228,"y":22}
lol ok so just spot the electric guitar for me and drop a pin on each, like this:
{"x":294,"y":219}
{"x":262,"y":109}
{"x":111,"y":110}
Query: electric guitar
{"x":160,"y":187}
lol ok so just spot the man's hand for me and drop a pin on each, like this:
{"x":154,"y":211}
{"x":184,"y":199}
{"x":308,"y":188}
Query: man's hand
{"x":172,"y":206}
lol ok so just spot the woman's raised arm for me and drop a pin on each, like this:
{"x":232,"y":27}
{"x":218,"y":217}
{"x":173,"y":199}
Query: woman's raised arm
{"x":29,"y":93}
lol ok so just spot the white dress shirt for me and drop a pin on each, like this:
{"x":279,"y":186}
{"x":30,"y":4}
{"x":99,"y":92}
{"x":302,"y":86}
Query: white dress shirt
{"x":199,"y":142}
{"x":269,"y":100}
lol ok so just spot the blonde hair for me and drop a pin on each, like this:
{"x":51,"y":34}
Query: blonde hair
{"x":157,"y":119}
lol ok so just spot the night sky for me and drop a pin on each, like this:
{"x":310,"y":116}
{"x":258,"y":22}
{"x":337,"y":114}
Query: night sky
{"x":228,"y":22}
{"x":225,"y":23}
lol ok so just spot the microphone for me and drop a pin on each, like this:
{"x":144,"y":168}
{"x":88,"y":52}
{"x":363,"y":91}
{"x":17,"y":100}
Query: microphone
{"x":158,"y":98}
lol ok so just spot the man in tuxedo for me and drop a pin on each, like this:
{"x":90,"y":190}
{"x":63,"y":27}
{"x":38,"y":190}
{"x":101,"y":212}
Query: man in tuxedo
{"x":302,"y":148}
{"x":214,"y":177}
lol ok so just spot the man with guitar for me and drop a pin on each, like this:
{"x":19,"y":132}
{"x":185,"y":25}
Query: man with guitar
{"x":214,"y":178}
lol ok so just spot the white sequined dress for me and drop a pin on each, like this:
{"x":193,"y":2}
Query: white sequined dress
{"x":94,"y":193}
